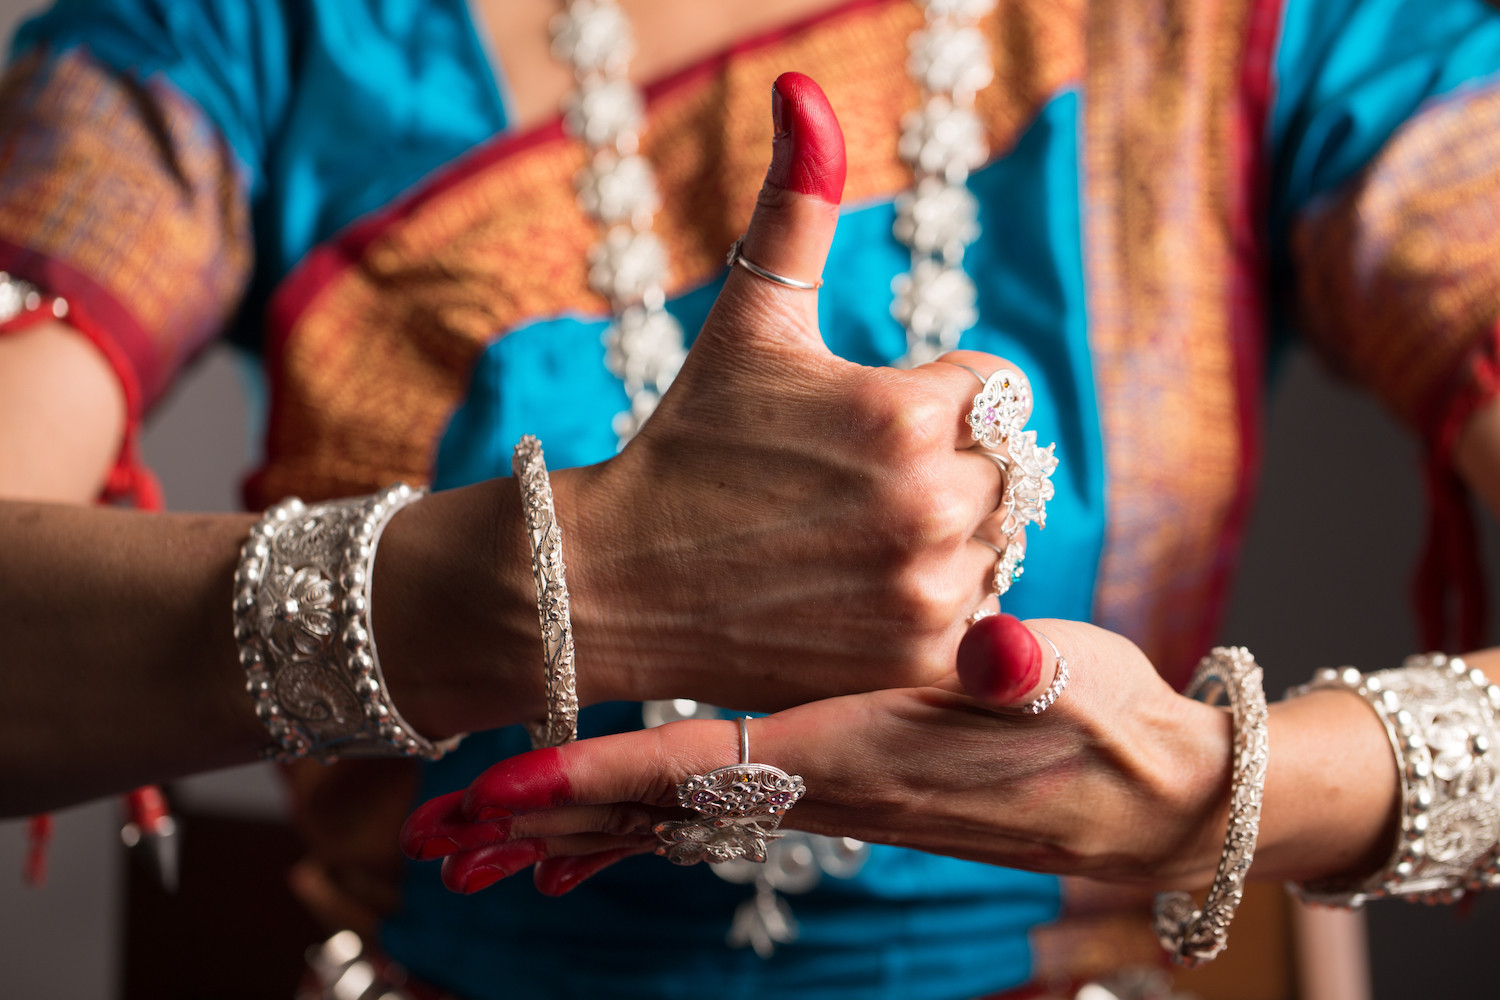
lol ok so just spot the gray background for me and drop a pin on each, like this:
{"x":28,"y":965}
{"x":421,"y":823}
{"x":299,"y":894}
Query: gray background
{"x":1324,"y":581}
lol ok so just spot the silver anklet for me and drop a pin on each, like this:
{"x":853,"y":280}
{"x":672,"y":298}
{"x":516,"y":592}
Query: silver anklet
{"x":545,"y":538}
{"x":302,"y":623}
{"x":1194,"y":937}
{"x":1441,"y":719}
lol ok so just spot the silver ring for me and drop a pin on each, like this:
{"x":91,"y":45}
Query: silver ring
{"x":1008,"y":568}
{"x":739,"y":808}
{"x":735,"y":257}
{"x":1056,"y":688}
{"x":995,"y":421}
{"x":966,"y":368}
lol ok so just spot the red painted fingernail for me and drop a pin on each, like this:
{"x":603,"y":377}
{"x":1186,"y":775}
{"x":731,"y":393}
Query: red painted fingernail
{"x":470,"y":871}
{"x":491,"y":813}
{"x":563,"y":875}
{"x":437,"y":847}
{"x":438,"y":828}
{"x":526,"y":783}
{"x":999,"y":660}
{"x":807,"y":152}
{"x":481,"y":878}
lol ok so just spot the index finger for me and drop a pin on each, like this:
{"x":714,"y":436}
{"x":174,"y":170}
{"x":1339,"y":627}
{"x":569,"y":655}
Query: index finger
{"x":644,"y":766}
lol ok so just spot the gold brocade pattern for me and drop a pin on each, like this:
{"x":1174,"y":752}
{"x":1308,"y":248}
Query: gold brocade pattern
{"x":1161,"y":84}
{"x":376,"y":362}
{"x":1399,"y":273}
{"x":131,"y":186}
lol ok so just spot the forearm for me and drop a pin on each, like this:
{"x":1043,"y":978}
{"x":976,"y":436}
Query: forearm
{"x":119,"y":665}
{"x":1332,"y":790}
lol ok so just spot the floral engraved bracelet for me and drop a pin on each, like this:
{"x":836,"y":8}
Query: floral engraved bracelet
{"x":302,"y":623}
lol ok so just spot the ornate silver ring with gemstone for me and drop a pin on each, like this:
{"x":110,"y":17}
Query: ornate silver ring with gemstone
{"x":995,"y":421}
{"x":739,"y":808}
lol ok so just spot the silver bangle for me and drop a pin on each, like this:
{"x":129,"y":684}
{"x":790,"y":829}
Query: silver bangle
{"x":1441,"y":719}
{"x":1194,"y":937}
{"x":545,"y":538}
{"x":302,"y":623}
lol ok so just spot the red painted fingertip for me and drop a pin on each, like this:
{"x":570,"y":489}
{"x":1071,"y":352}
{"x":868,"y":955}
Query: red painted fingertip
{"x":807,"y":152}
{"x":558,"y":876}
{"x":438,"y":828}
{"x":526,"y":783}
{"x":469,"y":871}
{"x":999,"y":660}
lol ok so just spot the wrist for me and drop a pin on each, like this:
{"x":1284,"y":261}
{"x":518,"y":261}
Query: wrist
{"x":454,"y":612}
{"x":455,"y":607}
{"x":1332,"y":793}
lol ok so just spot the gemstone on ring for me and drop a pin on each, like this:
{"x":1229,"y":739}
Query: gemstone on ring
{"x":739,"y":808}
{"x":999,"y":409}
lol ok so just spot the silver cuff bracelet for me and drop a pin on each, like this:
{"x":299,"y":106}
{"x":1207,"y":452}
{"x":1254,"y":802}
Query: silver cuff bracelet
{"x":1194,"y":937}
{"x":1441,"y":718}
{"x":302,"y":623}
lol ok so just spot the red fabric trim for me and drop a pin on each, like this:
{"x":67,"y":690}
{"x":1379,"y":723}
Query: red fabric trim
{"x":1448,"y":587}
{"x":1249,"y":198}
{"x":129,"y":341}
{"x":328,"y":260}
{"x":128,"y":480}
{"x":38,"y":840}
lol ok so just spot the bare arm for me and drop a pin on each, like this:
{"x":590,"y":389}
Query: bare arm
{"x":118,"y":665}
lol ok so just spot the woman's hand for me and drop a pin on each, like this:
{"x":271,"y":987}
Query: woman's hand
{"x":786,"y":527}
{"x":1121,"y":779}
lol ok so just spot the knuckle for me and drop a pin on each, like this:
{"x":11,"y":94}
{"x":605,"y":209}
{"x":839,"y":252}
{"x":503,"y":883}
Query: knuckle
{"x":922,"y":519}
{"x":919,"y":606}
{"x":900,"y":423}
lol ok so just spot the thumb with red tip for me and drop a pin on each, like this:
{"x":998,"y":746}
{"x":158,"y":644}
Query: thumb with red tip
{"x":797,"y":210}
{"x":1000,"y":662}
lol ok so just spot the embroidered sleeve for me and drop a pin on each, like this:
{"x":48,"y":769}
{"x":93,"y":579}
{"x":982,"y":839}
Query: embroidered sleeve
{"x":121,"y":197}
{"x":1398,"y":286}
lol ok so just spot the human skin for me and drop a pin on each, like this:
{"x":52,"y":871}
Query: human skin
{"x":1121,"y":779}
{"x":711,"y":559}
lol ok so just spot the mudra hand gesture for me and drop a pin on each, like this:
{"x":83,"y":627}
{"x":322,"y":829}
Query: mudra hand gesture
{"x":788,"y":525}
{"x":1121,"y":779}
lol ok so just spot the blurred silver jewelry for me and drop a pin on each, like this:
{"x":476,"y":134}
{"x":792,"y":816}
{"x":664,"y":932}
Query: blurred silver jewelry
{"x":18,"y":296}
{"x":1194,"y":937}
{"x":736,"y":257}
{"x":1441,"y":718}
{"x":618,"y":190}
{"x":941,"y":140}
{"x":302,"y":622}
{"x":1055,"y":689}
{"x":544,"y":536}
{"x":739,"y":808}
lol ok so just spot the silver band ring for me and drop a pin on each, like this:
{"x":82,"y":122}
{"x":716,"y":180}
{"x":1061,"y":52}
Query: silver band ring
{"x":966,"y":368}
{"x":739,"y":808}
{"x":735,"y":257}
{"x":1056,"y":688}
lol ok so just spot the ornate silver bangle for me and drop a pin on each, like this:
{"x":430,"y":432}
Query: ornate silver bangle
{"x":1195,"y":937}
{"x":545,"y":538}
{"x":1441,"y":718}
{"x":302,"y":622}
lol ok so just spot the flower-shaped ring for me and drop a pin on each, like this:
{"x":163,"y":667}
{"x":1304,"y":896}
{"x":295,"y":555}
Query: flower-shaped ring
{"x":739,"y":808}
{"x":996,"y":421}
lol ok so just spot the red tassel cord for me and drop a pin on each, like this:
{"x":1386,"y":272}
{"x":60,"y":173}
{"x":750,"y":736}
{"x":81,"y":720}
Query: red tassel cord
{"x":38,"y":839}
